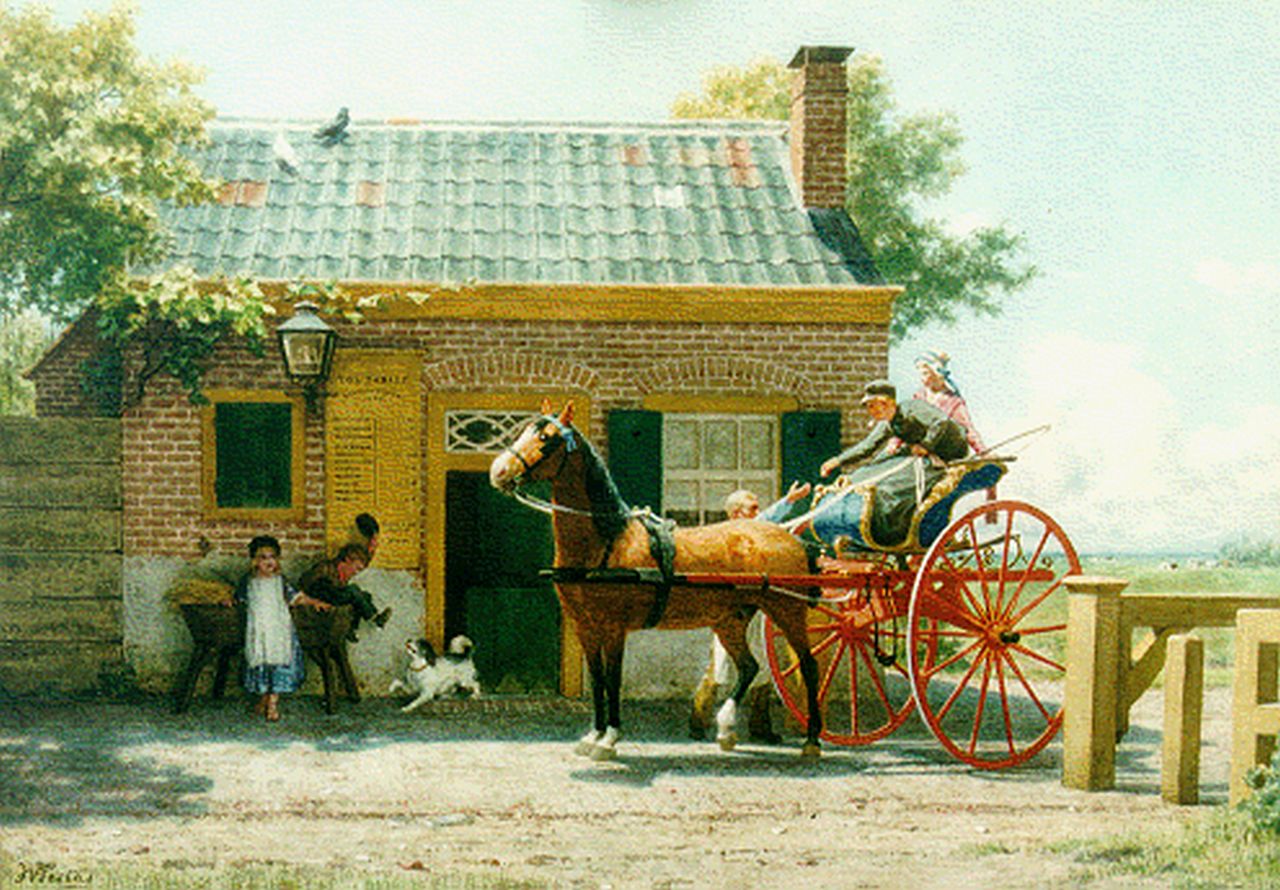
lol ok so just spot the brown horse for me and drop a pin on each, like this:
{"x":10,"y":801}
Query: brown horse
{"x":595,"y":529}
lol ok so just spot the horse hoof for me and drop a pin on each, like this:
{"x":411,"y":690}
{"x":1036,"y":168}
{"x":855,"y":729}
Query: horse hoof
{"x":600,"y":753}
{"x":585,"y":748}
{"x":811,"y":751}
{"x":728,"y":742}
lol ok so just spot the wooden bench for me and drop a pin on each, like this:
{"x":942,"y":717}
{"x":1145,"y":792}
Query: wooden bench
{"x":218,"y":633}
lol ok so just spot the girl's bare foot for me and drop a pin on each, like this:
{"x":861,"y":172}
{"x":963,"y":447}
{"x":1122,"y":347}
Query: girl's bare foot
{"x":273,"y":712}
{"x":260,"y":707}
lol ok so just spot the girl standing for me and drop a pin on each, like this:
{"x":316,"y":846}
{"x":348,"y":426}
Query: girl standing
{"x":272,"y":653}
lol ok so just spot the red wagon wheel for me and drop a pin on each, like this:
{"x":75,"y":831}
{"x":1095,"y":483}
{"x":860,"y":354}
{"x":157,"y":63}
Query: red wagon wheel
{"x":858,"y":637}
{"x":986,"y":633}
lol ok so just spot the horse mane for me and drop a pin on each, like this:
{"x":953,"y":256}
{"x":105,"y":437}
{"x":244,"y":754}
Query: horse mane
{"x":609,"y":511}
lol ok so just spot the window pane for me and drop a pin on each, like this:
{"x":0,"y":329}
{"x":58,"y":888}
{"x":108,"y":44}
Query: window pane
{"x":720,"y":445}
{"x":757,"y":445}
{"x":255,"y":454}
{"x":680,"y":450}
{"x":714,"y":491}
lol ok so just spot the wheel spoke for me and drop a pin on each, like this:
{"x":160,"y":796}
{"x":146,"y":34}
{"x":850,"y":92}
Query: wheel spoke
{"x":854,"y":649}
{"x":982,"y":705}
{"x":963,"y":682}
{"x":1047,"y":629}
{"x":929,"y":672}
{"x":1004,"y":560}
{"x":981,"y":566}
{"x":1040,"y":598}
{"x":1004,"y":704}
{"x":1043,"y":659}
{"x":824,"y":645}
{"x":830,"y":674}
{"x":1044,"y":539}
{"x":876,"y":681}
{"x":1013,"y":664}
{"x":974,"y":609}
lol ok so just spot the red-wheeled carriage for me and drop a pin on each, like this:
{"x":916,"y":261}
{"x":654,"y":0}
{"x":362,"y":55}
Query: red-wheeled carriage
{"x":965,"y":624}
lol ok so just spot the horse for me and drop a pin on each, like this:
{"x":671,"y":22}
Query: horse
{"x":595,"y":530}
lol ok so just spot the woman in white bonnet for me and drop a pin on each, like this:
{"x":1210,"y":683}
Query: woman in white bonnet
{"x":938,"y":389}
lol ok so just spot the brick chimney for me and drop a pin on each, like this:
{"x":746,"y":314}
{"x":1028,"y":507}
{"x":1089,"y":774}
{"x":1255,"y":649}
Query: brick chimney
{"x":818,"y":139}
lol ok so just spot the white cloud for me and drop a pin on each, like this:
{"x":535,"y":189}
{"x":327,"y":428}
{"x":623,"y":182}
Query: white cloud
{"x":1120,"y":469}
{"x":1231,"y":279}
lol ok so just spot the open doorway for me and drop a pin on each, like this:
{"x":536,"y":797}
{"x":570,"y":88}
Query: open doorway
{"x":494,"y":548}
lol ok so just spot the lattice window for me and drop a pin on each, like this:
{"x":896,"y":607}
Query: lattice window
{"x":479,"y":431}
{"x":707,"y":456}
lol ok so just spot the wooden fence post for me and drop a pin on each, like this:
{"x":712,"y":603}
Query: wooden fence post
{"x":1089,"y":706}
{"x":1255,"y":710}
{"x":1183,"y":701}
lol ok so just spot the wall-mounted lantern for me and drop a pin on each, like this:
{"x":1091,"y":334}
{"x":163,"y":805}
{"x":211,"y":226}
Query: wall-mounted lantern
{"x":307,"y":344}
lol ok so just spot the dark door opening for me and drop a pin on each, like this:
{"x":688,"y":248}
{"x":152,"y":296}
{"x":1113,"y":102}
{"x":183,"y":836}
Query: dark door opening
{"x":494,"y":548}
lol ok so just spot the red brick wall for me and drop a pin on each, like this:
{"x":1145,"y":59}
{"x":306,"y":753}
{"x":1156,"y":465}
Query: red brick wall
{"x":59,"y":392}
{"x":819,"y":95}
{"x":616,"y":364}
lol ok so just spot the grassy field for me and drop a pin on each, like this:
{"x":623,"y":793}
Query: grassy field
{"x":242,"y":876}
{"x":1216,"y":850}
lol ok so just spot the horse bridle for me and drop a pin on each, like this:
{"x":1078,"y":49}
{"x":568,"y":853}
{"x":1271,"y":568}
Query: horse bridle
{"x":567,"y":440}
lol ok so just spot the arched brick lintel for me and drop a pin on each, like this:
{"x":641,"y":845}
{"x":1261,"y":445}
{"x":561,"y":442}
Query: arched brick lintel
{"x":700,"y":374}
{"x":518,"y":370}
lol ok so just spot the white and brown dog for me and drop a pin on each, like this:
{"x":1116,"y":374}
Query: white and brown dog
{"x":431,"y":676}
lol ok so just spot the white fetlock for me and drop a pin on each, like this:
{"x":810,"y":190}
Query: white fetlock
{"x":726,"y":721}
{"x":607,"y":745}
{"x":811,"y":751}
{"x":587,"y":744}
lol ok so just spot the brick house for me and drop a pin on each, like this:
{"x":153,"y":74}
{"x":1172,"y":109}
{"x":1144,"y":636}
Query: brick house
{"x":696,"y":287}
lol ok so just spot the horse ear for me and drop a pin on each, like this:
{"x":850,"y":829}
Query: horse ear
{"x":546,"y":407}
{"x":566,"y":416}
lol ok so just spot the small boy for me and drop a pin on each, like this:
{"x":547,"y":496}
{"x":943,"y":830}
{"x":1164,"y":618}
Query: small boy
{"x":330,"y":581}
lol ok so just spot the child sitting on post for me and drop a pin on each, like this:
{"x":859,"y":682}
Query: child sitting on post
{"x":272,"y":653}
{"x":330,"y":581}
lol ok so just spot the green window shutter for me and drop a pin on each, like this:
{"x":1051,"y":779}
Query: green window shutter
{"x":635,"y":456}
{"x":808,"y":438}
{"x":254,"y":454}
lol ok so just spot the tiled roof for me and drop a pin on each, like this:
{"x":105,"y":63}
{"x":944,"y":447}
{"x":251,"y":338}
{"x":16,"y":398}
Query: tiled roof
{"x":672,"y":203}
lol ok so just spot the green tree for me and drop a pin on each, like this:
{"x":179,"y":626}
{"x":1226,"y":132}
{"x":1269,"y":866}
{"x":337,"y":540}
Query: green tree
{"x":23,"y":338}
{"x":897,"y":163}
{"x":93,"y":137}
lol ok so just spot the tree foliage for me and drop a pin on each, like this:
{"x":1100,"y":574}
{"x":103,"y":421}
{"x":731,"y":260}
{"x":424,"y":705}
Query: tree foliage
{"x":92,"y":136}
{"x":897,"y":163}
{"x":23,"y":338}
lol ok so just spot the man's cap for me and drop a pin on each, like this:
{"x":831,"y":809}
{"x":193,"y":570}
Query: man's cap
{"x":879,"y":389}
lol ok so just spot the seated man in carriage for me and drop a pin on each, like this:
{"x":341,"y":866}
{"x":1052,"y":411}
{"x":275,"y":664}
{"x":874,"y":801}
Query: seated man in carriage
{"x":910,"y":446}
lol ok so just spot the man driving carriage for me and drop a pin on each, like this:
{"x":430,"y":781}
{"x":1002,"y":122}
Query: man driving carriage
{"x":909,"y":447}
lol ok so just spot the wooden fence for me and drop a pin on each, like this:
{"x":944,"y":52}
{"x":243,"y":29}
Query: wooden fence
{"x":60,"y":554}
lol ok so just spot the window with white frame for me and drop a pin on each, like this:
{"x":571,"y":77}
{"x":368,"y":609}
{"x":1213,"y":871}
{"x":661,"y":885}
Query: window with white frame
{"x":707,"y":456}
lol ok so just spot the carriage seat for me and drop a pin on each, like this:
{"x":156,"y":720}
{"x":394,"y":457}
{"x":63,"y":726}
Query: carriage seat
{"x":853,"y":514}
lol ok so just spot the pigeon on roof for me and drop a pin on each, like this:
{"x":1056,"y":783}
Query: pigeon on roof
{"x":336,"y":130}
{"x":286,"y":157}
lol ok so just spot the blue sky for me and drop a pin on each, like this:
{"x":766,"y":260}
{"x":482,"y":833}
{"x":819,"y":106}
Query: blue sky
{"x":1135,"y":145}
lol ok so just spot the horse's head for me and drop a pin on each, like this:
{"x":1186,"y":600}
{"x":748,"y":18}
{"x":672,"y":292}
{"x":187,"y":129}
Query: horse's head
{"x":533,"y":455}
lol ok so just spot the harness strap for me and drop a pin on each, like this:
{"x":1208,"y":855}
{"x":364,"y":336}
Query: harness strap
{"x":662,"y":547}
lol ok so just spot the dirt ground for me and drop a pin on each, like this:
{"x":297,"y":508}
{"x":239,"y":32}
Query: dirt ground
{"x":493,"y":787}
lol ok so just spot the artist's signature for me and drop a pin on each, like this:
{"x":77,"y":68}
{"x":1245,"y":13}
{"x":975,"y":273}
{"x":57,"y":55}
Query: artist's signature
{"x":48,"y":873}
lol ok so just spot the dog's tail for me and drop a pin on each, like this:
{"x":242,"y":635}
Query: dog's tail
{"x":461,"y":646}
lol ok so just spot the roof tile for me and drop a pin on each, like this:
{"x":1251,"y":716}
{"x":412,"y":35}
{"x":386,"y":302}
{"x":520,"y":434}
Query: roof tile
{"x":691,"y":202}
